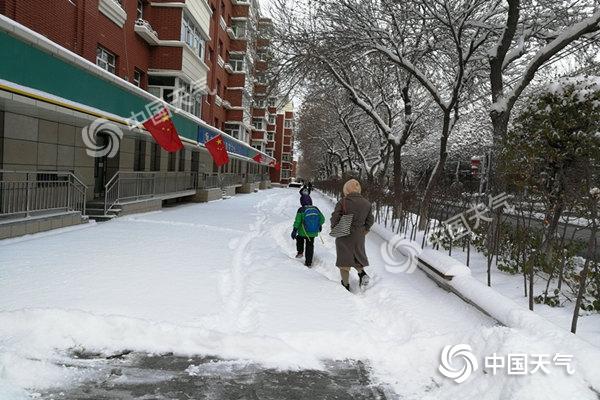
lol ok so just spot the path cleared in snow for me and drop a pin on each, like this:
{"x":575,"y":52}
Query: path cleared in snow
{"x":220,"y":279}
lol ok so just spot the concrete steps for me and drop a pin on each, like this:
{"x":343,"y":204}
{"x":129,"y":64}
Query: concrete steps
{"x":95,"y":211}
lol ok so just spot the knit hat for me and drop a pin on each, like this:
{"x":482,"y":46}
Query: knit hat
{"x":305,"y":200}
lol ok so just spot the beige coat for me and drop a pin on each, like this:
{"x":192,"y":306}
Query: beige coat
{"x":351,"y":249}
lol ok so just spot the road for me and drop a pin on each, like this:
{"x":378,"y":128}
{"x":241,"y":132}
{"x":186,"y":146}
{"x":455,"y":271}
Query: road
{"x":572,"y":232}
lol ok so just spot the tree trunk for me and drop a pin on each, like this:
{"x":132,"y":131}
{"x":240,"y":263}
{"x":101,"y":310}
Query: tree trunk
{"x":436,"y":175}
{"x":558,"y":207}
{"x":591,"y":247}
{"x":397,"y":171}
{"x":583,"y":278}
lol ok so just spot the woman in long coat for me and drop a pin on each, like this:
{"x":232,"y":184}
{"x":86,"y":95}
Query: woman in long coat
{"x":350,"y":249}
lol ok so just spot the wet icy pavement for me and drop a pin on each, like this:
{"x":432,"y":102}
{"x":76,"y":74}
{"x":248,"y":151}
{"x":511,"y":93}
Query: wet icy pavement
{"x":140,"y":376}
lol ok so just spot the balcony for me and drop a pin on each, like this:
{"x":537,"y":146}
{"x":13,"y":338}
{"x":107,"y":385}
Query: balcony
{"x":222,"y":23}
{"x":114,"y":11}
{"x":144,"y":29}
{"x":237,"y":31}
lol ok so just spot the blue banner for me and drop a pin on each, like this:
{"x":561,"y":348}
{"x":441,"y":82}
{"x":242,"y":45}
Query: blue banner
{"x":206,"y":133}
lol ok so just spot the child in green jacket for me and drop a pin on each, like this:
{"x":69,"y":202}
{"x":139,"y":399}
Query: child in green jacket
{"x":307,"y":225}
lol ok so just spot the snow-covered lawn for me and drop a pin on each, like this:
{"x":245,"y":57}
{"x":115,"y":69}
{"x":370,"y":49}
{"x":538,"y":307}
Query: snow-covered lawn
{"x":220,"y":279}
{"x":511,"y":286}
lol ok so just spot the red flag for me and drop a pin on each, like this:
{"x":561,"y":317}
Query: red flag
{"x":218,"y":151}
{"x":258,"y":158}
{"x":163,"y":130}
{"x":276,"y":165}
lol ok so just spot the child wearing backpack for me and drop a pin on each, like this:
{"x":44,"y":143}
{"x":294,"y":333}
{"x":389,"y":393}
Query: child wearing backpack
{"x":307,"y":225}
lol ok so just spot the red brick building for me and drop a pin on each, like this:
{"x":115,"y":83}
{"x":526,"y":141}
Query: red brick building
{"x":207,"y":57}
{"x":282,"y":147}
{"x":157,"y":46}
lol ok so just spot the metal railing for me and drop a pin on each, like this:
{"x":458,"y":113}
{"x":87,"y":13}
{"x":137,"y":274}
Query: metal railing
{"x":23,"y":193}
{"x":230,"y":180}
{"x":132,"y":186}
{"x":209,"y":181}
{"x":254,"y":178}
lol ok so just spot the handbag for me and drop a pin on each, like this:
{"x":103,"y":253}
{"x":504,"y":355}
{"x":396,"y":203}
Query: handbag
{"x":343,"y":227}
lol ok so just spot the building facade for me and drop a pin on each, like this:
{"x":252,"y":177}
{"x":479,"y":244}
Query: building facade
{"x":83,"y":71}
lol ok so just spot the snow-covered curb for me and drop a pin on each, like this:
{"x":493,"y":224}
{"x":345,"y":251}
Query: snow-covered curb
{"x":52,"y":232}
{"x":456,"y":277}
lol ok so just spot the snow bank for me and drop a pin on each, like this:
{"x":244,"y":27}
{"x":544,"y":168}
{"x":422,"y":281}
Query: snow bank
{"x":444,"y":264}
{"x":515,"y":316}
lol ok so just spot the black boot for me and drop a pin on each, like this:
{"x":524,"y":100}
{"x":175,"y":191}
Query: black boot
{"x":363,"y":279}
{"x":346,"y":286}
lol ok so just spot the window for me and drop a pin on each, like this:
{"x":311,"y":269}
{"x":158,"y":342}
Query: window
{"x":137,"y":77}
{"x":270,"y":136}
{"x":260,"y":103}
{"x":289,"y":124}
{"x":140,"y":9}
{"x":106,"y":60}
{"x":271,"y":119}
{"x":191,"y":35}
{"x":239,"y":29}
{"x":272,"y":102}
{"x":182,"y":156}
{"x":261,"y":78}
{"x":186,"y":99}
{"x":195,"y":165}
{"x":232,"y":130}
{"x":155,"y":157}
{"x":162,"y":87}
{"x":139,"y":155}
{"x":261,"y":54}
{"x":258,"y":123}
{"x":236,"y":61}
{"x":171,"y":162}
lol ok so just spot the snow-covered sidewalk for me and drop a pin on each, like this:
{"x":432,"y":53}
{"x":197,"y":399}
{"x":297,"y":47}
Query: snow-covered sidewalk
{"x":220,"y":279}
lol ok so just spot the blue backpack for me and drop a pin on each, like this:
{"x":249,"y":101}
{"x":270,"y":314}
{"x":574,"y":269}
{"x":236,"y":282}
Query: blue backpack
{"x":312,"y":220}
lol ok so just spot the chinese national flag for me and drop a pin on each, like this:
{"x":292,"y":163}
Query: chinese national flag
{"x":163,"y":130}
{"x":218,"y":151}
{"x":258,"y":158}
{"x":275,"y":165}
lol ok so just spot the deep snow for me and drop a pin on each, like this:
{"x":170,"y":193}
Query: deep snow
{"x":219,"y":279}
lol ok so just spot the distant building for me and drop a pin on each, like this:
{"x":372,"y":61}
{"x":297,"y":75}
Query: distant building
{"x":282,"y":146}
